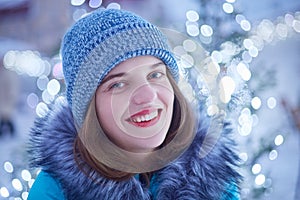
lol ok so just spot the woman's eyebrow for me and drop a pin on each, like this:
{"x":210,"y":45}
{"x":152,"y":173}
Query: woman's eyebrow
{"x":112,"y":76}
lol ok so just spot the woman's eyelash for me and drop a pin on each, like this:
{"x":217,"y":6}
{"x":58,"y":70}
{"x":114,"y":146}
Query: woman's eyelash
{"x":119,"y":85}
{"x":156,"y":74}
{"x":116,"y":85}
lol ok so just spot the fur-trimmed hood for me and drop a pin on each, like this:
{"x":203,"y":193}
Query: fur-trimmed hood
{"x":189,"y":177}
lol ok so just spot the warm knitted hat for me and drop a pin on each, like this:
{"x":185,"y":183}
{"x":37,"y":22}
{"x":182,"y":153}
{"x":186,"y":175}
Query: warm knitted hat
{"x":98,"y":42}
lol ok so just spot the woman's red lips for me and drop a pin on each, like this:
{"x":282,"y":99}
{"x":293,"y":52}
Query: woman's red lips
{"x":145,"y":118}
{"x":141,"y":113}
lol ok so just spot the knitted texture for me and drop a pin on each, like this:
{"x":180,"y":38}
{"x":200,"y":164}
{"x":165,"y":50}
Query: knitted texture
{"x":98,"y":42}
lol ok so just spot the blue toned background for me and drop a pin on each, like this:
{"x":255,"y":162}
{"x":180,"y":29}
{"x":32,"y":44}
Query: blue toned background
{"x":256,"y":44}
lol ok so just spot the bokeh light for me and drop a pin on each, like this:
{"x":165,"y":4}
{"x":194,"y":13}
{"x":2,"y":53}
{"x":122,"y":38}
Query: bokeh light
{"x":30,"y":183}
{"x":212,"y":110}
{"x":256,"y":103}
{"x":42,"y":82}
{"x":16,"y":183}
{"x":53,"y":87}
{"x":296,"y":25}
{"x":32,"y":100}
{"x":79,"y":13}
{"x":4,"y":192}
{"x":248,"y":43}
{"x":279,"y":139}
{"x":265,"y":30}
{"x":247,"y":58}
{"x":26,"y":175}
{"x":243,"y":156}
{"x":192,"y":29}
{"x":256,"y":168}
{"x":192,"y":15}
{"x":213,"y":68}
{"x":253,"y":51}
{"x":77,"y":2}
{"x":282,"y":31}
{"x":273,"y":154}
{"x":25,"y":195}
{"x":260,"y":179}
{"x":41,"y":109}
{"x":244,"y":71}
{"x":217,"y":56}
{"x":113,"y":6}
{"x":206,"y":30}
{"x":8,"y":167}
{"x":245,"y":122}
{"x":47,"y":97}
{"x":205,"y":40}
{"x":245,"y":25}
{"x":95,"y":3}
{"x":25,"y":62}
{"x":271,"y":102}
{"x":228,"y":8}
{"x":227,"y":87}
{"x":189,"y":45}
{"x":239,"y":18}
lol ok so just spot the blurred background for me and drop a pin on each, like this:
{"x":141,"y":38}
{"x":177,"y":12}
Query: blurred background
{"x":255,"y":44}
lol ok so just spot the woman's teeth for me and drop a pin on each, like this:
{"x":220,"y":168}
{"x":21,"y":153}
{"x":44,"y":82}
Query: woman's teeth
{"x":144,"y":118}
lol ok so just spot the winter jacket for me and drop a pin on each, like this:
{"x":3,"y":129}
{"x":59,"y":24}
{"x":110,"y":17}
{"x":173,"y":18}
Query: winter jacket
{"x":212,"y":177}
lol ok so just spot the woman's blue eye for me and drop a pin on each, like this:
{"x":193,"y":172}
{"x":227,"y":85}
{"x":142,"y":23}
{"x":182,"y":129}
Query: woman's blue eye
{"x":117,"y":85}
{"x":155,"y":75}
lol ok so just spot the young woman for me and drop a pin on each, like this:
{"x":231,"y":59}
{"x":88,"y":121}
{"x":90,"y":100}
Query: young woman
{"x":125,"y":130}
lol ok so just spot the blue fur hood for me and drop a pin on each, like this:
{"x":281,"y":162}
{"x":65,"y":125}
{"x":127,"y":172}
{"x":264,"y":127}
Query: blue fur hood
{"x":188,"y":177}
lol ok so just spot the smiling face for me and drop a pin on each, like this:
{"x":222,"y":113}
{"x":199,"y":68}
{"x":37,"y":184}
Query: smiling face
{"x":134,"y":104}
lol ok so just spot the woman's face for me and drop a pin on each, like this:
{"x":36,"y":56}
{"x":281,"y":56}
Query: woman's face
{"x":134,"y":104}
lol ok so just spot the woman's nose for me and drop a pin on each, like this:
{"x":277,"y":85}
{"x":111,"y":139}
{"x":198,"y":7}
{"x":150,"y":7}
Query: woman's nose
{"x":144,"y":94}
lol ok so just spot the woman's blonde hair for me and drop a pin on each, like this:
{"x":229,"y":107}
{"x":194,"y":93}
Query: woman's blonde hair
{"x":183,"y":122}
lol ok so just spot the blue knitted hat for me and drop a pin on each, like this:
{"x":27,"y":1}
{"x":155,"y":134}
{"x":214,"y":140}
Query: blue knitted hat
{"x":98,"y":42}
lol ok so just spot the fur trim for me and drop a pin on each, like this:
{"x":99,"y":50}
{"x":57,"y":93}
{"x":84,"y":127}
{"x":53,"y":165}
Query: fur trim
{"x":189,"y":177}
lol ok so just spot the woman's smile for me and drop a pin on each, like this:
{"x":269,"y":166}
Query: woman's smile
{"x":145,"y":118}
